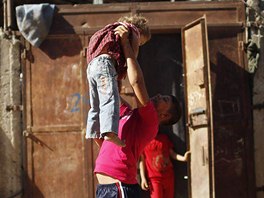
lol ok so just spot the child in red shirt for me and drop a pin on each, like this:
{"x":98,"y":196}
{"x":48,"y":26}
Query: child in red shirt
{"x":156,"y":169}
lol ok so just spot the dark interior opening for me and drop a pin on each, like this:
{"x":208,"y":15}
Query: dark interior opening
{"x":161,"y":62}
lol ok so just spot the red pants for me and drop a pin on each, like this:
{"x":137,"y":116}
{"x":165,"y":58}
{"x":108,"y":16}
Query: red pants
{"x":162,"y":187}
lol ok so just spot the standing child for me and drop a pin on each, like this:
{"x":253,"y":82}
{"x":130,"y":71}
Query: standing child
{"x":106,"y":68}
{"x":156,"y":169}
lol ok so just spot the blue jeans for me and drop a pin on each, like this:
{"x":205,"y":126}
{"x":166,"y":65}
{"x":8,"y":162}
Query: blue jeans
{"x":103,"y":115}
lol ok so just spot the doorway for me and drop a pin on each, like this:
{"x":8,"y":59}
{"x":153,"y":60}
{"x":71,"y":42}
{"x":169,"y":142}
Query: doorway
{"x":161,"y":63}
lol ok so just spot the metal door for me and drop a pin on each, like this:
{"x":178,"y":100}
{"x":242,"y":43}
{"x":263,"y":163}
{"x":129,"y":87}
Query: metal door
{"x":198,"y":108}
{"x":55,"y":113}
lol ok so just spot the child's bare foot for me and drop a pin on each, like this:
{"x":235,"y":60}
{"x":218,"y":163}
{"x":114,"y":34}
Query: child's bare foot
{"x":112,"y":137}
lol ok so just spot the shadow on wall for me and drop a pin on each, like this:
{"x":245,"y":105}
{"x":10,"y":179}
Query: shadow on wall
{"x":10,"y":172}
{"x":31,"y":190}
{"x":68,"y":44}
{"x":61,"y":42}
{"x":232,"y":122}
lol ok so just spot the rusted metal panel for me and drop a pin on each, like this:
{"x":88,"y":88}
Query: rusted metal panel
{"x":163,"y":16}
{"x":198,"y":108}
{"x":57,"y":165}
{"x":56,"y":85}
{"x":231,"y":107}
{"x":56,"y":111}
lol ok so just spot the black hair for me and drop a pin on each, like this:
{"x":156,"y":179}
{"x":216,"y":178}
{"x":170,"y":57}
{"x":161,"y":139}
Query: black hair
{"x":175,"y":112}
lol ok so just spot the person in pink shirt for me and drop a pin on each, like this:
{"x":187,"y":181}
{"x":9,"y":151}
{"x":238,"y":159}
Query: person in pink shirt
{"x":116,"y":167}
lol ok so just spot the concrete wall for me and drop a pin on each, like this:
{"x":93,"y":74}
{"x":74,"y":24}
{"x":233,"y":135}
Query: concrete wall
{"x":258,"y":116}
{"x":257,"y":36}
{"x":10,"y":121}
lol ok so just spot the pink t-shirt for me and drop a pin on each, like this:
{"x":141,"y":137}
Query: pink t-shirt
{"x":137,"y":128}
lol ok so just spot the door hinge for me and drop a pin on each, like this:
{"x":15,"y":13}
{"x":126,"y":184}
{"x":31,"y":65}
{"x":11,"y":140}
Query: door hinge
{"x":27,"y":54}
{"x":14,"y":108}
{"x":26,"y":133}
{"x":24,"y":54}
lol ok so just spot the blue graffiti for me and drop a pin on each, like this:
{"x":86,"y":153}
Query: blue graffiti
{"x":75,"y":101}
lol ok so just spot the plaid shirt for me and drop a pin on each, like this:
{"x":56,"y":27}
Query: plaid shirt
{"x":105,"y":37}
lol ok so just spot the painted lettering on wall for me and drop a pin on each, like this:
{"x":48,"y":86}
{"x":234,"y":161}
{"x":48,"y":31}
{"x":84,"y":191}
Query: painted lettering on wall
{"x":74,"y":102}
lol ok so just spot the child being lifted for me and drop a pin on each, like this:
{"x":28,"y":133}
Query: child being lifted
{"x":106,"y":68}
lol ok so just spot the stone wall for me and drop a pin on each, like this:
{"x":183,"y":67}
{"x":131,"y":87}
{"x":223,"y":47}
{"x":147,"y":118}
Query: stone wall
{"x":256,"y":17}
{"x":10,"y":121}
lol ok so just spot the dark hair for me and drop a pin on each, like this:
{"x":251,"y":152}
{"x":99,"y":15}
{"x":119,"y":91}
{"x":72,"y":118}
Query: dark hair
{"x":175,"y":111}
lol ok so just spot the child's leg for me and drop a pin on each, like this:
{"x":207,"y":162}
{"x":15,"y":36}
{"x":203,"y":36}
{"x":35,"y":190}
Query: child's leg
{"x":156,"y":188}
{"x":93,"y":125}
{"x":168,"y":186}
{"x":109,"y":101}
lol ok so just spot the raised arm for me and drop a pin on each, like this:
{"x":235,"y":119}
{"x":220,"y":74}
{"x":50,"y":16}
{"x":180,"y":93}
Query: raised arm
{"x":134,"y":72}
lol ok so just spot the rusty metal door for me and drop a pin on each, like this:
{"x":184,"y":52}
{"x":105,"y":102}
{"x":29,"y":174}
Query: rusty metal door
{"x":55,"y":113}
{"x":198,"y":108}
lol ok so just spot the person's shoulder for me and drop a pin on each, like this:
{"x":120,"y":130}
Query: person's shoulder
{"x":149,"y":115}
{"x":149,"y":104}
{"x":148,"y":107}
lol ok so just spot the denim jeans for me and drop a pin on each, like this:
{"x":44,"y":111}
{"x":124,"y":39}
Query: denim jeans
{"x":103,"y":115}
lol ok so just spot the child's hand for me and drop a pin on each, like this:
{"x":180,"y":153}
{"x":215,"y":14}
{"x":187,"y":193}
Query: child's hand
{"x":186,"y":155}
{"x":144,"y":184}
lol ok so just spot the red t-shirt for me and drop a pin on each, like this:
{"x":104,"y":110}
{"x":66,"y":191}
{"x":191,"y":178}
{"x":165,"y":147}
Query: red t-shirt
{"x":157,"y":157}
{"x":137,"y":128}
{"x":106,"y":36}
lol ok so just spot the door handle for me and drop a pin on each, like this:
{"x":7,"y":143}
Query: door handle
{"x":204,"y":155}
{"x":198,"y":118}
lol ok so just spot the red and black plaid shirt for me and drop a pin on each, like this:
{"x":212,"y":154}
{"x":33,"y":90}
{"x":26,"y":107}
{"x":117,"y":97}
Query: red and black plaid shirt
{"x":105,"y":37}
